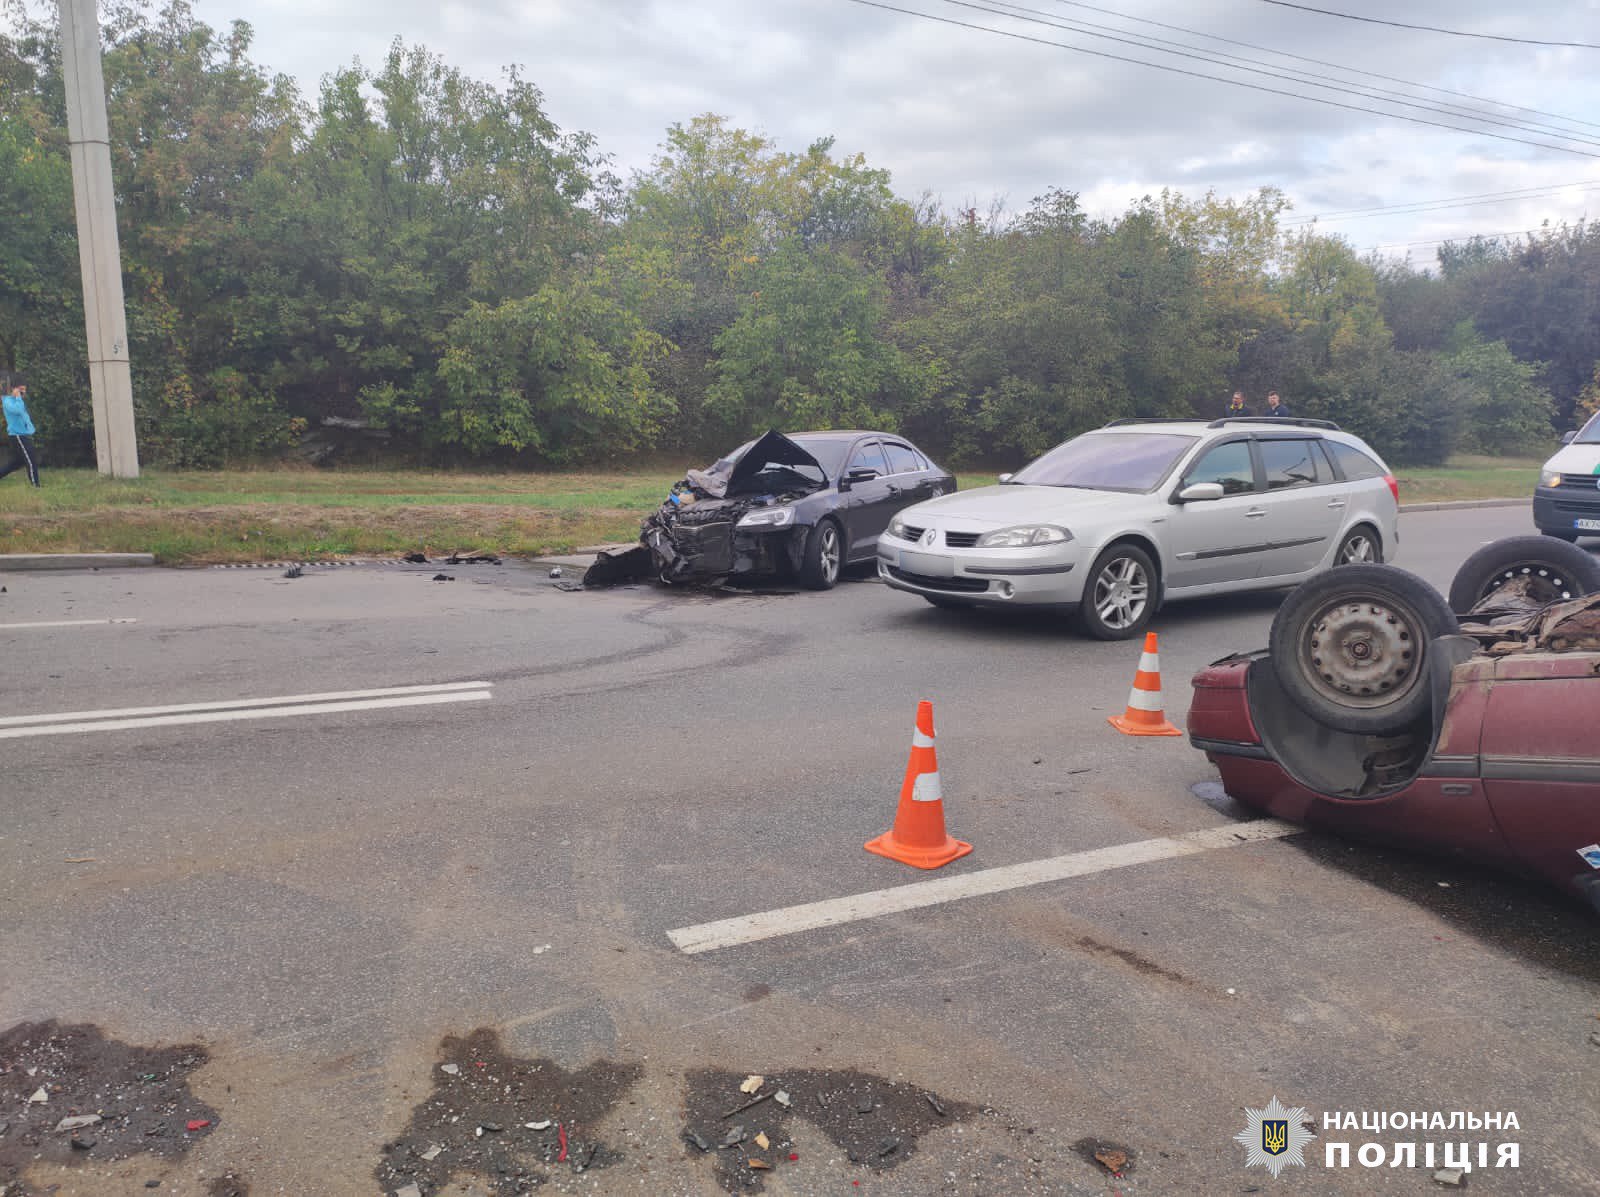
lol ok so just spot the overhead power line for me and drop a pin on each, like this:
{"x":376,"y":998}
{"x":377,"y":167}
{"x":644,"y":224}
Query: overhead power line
{"x":1441,"y":205}
{"x":1465,"y":237}
{"x":1228,"y":41}
{"x":1270,"y":70}
{"x":1024,"y":37}
{"x":1494,"y":37}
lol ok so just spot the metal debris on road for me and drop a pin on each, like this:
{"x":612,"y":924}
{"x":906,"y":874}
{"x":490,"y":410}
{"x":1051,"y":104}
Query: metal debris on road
{"x":754,"y":1101}
{"x":1113,"y":1161}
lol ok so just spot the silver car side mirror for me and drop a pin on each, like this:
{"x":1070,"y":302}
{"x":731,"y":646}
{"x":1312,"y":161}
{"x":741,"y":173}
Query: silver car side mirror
{"x":1004,"y":478}
{"x":1200,"y":492}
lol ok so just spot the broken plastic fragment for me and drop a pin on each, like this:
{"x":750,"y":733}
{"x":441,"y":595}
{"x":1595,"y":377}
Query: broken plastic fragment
{"x":541,"y":950}
{"x":752,"y":1083}
{"x":760,"y":1165}
{"x":195,"y":1124}
{"x":39,"y":1097}
{"x":432,"y":1153}
{"x":545,"y":1125}
{"x":781,"y":1098}
{"x":733,"y":1138}
{"x":76,"y":1121}
{"x":762,"y":1141}
{"x":450,"y":1069}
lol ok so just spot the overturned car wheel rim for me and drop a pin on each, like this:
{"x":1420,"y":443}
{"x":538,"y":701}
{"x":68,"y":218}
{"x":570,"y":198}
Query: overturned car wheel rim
{"x":1121,"y":593}
{"x":1362,"y":652}
{"x":1545,"y":584}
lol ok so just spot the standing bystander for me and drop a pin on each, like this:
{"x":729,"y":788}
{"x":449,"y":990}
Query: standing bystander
{"x":1275,"y":405}
{"x":1236,"y":406}
{"x":20,"y":427}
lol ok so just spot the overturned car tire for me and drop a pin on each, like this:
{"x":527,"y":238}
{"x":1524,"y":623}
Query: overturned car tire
{"x":1552,"y":569}
{"x":1350,"y":647}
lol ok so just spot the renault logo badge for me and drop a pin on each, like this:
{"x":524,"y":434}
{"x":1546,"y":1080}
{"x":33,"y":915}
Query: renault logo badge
{"x":930,"y":537}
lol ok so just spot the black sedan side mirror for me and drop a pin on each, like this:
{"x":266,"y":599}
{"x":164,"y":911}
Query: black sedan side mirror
{"x":859,"y":474}
{"x":1566,"y":437}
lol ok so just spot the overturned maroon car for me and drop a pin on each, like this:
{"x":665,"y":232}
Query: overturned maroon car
{"x":1466,"y":728}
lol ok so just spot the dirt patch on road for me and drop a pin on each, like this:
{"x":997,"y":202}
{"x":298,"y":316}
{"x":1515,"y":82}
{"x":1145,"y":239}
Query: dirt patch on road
{"x":504,"y":1121}
{"x":875,"y":1122}
{"x":70,"y":1096}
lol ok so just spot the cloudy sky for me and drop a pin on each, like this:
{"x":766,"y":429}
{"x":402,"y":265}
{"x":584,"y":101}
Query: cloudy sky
{"x":969,"y":115}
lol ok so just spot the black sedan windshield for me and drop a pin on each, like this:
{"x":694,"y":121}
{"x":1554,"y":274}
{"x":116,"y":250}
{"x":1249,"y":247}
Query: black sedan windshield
{"x":1123,"y":461}
{"x":1588,"y":435}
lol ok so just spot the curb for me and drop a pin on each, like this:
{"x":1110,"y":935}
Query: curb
{"x":1463,"y":504}
{"x":37,"y":561}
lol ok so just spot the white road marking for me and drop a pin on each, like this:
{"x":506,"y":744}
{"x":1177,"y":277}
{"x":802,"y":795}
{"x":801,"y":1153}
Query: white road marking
{"x":223,"y":712}
{"x":63,"y":623}
{"x":726,"y":933}
{"x":237,"y":704}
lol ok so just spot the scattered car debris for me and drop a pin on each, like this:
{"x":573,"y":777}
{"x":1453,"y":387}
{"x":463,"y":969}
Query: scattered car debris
{"x":1112,"y":1160}
{"x":197,"y":1124}
{"x":899,"y":1114}
{"x":760,"y":1165}
{"x":129,"y":1096}
{"x":415,"y":558}
{"x":555,"y":571}
{"x":752,"y":1084}
{"x":1453,"y":1177}
{"x":410,"y":1190}
{"x":487,"y":1120}
{"x":294,"y":571}
{"x":781,"y":1098}
{"x":698,"y":1140}
{"x":443,"y":578}
{"x":471,"y":558}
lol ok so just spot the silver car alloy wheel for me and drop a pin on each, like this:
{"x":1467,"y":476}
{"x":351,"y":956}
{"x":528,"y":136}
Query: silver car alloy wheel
{"x":1358,"y":549}
{"x":1121,"y":593}
{"x":830,"y":553}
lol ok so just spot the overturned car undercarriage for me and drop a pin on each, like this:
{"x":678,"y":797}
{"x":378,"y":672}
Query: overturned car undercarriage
{"x":732,"y":520}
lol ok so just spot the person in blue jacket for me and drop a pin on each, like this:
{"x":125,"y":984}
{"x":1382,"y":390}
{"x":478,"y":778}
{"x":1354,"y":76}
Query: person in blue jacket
{"x":20,"y":427}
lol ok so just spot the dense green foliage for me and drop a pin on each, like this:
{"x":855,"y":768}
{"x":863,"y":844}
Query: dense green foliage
{"x":428,"y":256}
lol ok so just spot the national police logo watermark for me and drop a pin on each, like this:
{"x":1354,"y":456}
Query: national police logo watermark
{"x":1275,"y":1137}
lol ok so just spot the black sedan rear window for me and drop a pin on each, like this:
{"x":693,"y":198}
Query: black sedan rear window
{"x":1124,"y":461}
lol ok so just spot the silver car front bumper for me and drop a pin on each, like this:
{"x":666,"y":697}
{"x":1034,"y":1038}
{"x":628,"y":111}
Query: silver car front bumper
{"x":1047,"y":576}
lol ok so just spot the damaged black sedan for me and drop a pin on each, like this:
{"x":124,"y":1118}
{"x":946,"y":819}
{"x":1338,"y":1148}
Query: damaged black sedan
{"x":800,"y":507}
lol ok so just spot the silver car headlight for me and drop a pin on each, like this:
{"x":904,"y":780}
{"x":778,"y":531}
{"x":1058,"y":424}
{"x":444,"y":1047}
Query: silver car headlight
{"x":767,"y":517}
{"x":1550,"y":478}
{"x":1024,"y":536}
{"x":897,"y":527}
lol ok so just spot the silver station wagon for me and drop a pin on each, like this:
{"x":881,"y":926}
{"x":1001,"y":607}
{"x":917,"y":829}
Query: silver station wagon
{"x":1113,"y":523}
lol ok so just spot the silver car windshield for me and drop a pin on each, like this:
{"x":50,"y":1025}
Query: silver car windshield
{"x":1134,"y":462}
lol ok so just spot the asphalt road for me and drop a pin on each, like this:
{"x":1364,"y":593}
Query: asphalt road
{"x":321,"y":898}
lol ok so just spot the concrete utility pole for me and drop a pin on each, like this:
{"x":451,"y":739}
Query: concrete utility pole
{"x":99,"y":255}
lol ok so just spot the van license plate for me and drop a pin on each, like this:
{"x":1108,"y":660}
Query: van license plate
{"x":1586,"y":525}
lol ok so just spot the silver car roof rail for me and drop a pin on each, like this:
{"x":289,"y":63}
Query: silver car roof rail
{"x":1294,"y":420}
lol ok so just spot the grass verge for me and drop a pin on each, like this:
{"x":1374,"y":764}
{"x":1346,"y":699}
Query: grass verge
{"x":205,"y":517}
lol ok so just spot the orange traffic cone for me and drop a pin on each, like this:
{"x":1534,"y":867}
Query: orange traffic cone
{"x":918,"y":837}
{"x":1144,"y":716}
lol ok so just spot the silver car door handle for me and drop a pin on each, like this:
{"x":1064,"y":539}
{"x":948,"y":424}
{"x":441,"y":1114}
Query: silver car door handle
{"x":1336,"y":502}
{"x":1255,"y":513}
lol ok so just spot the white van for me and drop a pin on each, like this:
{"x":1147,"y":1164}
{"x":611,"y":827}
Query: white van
{"x":1567,"y":501}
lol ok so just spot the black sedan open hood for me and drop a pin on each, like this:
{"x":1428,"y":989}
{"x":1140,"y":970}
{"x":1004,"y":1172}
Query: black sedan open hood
{"x":772,"y":449}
